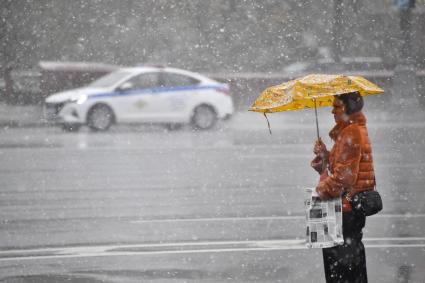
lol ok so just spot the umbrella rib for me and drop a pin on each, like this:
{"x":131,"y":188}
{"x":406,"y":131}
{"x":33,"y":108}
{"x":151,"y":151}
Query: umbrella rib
{"x":268,"y":123}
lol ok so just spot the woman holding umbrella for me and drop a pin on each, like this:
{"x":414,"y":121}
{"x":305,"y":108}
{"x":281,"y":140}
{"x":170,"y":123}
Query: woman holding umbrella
{"x":346,"y":170}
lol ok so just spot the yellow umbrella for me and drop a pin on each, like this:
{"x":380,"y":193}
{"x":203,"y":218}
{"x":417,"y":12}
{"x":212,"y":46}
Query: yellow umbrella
{"x":315,"y":90}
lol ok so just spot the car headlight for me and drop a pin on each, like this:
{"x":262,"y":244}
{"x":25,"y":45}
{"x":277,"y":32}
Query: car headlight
{"x":79,"y":99}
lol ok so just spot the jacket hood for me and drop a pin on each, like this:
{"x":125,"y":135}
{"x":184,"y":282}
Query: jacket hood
{"x":73,"y":94}
{"x":356,"y":118}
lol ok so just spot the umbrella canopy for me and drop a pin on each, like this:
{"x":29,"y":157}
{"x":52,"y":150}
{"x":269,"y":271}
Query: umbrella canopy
{"x":314,"y":90}
{"x":311,"y":91}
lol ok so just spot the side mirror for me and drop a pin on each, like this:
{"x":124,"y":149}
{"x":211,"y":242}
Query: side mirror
{"x":125,"y":86}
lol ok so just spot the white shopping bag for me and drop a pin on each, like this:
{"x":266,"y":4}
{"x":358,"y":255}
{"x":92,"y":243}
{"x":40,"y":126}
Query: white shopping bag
{"x":323,"y":221}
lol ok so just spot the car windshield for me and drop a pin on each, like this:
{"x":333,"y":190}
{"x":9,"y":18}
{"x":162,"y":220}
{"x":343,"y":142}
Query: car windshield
{"x":110,"y":79}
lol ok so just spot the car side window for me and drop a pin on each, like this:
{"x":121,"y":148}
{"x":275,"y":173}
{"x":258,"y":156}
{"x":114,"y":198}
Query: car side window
{"x":146,"y":80}
{"x":172,"y":80}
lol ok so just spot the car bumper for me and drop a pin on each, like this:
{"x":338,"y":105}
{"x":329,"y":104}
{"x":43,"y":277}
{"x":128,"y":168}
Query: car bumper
{"x":62,"y":113}
{"x":226,"y":109}
{"x":227,"y":117}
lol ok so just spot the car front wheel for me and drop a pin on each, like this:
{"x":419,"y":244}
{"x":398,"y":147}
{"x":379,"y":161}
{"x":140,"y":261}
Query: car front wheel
{"x":204,"y":117}
{"x":100,"y":118}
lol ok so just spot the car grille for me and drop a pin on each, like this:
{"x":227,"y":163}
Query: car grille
{"x":51,"y":110}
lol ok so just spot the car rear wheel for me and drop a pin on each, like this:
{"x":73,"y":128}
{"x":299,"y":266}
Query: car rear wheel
{"x":204,"y":117}
{"x":100,"y":118}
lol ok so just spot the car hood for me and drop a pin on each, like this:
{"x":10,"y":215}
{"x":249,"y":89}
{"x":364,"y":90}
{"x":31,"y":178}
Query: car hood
{"x":73,"y":94}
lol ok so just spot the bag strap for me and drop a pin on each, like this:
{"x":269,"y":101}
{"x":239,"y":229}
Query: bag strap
{"x":347,"y":195}
{"x":374,"y":179}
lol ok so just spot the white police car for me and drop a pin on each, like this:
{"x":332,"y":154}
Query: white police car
{"x":145,"y":94}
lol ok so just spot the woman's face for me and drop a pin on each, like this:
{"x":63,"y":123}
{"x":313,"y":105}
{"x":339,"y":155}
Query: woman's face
{"x":339,"y":111}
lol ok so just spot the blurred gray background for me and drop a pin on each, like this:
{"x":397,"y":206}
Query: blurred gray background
{"x":206,"y":36}
{"x":236,"y":41}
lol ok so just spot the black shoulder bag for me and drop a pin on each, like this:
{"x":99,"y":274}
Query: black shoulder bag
{"x":367,"y":202}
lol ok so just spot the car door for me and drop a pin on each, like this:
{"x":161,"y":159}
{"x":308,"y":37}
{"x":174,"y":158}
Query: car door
{"x":174,"y":93}
{"x":136,"y":97}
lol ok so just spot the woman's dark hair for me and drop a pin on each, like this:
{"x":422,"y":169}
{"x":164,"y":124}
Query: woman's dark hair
{"x":353,"y":102}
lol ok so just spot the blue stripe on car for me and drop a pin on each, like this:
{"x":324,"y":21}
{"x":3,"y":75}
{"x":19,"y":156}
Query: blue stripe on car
{"x":155,"y":90}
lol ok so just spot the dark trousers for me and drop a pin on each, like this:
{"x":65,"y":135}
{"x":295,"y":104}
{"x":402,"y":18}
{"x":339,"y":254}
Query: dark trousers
{"x":347,"y":263}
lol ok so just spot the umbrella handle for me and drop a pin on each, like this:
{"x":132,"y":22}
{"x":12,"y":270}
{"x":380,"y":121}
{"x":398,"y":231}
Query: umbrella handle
{"x":317,"y":120}
{"x":324,"y":165}
{"x":324,"y":162}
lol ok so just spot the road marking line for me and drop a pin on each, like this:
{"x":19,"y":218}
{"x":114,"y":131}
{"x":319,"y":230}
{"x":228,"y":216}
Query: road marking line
{"x":111,"y":247}
{"x":396,"y":239}
{"x":274,"y":156}
{"x":192,"y":247}
{"x":220,"y":219}
{"x":295,"y":217}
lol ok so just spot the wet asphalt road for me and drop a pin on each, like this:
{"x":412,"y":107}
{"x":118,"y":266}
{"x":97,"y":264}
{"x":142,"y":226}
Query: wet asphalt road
{"x":140,"y":203}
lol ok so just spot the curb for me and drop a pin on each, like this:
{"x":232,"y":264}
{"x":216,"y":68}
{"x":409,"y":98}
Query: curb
{"x":10,"y":117}
{"x":20,"y":124}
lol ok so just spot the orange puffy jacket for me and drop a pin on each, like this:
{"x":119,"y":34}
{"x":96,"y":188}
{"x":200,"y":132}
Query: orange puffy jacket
{"x":350,"y":161}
